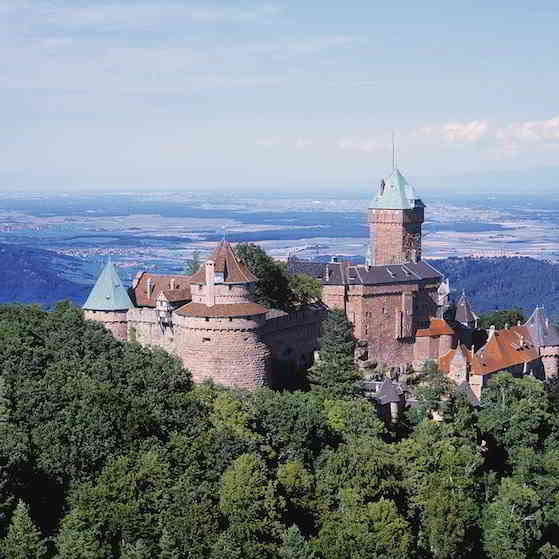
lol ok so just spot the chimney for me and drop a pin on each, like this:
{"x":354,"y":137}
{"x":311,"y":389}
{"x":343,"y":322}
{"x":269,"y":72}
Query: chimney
{"x":506,"y":325}
{"x":149,"y":287}
{"x":210,"y":283}
{"x":491,"y":332}
{"x":172,"y":285}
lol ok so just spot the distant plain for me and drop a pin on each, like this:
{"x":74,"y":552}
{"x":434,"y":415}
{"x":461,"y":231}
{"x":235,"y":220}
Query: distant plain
{"x":161,"y":231}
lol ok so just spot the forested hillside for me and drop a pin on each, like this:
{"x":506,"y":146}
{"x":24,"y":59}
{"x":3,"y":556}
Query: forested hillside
{"x":504,"y":282}
{"x":32,"y":275}
{"x":108,"y":451}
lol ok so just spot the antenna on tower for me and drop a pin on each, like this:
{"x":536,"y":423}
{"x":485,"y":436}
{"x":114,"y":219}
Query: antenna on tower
{"x":394,"y":152}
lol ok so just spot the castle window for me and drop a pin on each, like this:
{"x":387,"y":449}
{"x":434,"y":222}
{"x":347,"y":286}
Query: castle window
{"x":207,"y":319}
{"x":230,"y":319}
{"x":205,"y":339}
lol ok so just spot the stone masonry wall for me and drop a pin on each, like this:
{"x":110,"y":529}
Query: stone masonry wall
{"x":115,"y":321}
{"x":395,"y":235}
{"x":379,"y":315}
{"x":232,"y":357}
{"x":550,"y":360}
{"x":225,"y":293}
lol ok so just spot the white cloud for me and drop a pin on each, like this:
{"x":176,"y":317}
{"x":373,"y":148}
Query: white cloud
{"x":455,"y":132}
{"x":465,"y":132}
{"x":530,"y":132}
{"x":352,"y":143}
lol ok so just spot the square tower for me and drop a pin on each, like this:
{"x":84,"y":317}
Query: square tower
{"x":396,"y":215}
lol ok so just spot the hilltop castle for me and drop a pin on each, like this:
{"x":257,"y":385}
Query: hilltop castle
{"x":396,"y":302}
{"x":210,"y":321}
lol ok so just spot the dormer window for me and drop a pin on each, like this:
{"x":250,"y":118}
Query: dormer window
{"x":219,"y":277}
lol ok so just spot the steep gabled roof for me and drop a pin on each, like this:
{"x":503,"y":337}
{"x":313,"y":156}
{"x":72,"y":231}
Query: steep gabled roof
{"x":175,"y":287}
{"x":541,"y":331}
{"x":396,"y":194}
{"x":108,"y":293}
{"x":464,"y":313}
{"x":226,"y":263}
{"x":437,"y":327}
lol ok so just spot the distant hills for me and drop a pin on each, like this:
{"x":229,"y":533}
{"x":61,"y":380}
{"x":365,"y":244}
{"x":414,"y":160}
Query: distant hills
{"x":504,"y":282}
{"x":29,"y":275}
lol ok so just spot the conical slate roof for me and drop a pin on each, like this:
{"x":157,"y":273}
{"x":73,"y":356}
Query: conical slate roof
{"x":397,"y":194}
{"x":541,"y":332}
{"x":108,"y":293}
{"x":226,"y":263}
{"x":464,"y":313}
{"x":388,"y":393}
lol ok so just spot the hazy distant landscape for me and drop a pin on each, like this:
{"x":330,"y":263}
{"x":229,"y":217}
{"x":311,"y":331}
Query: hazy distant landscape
{"x":55,"y":245}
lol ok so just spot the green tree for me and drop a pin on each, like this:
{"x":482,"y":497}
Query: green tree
{"x":294,"y":545}
{"x":513,"y":522}
{"x":335,"y":373}
{"x":515,"y":413}
{"x":273,"y":288}
{"x":252,"y":506}
{"x":500,"y":319}
{"x":23,"y":540}
{"x":193,"y":265}
{"x":365,"y":531}
{"x":305,"y":289}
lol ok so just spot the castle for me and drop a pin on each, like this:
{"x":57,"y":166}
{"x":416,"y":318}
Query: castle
{"x":396,"y":302}
{"x":210,"y":321}
{"x":398,"y":305}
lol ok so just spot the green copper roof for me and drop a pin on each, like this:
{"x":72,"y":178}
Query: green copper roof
{"x":397,"y":194}
{"x":108,"y":293}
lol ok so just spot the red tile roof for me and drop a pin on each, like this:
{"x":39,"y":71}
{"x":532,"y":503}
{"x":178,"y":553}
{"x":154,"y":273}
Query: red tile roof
{"x":219,"y":311}
{"x":504,"y":349}
{"x":181,"y":291}
{"x":226,"y":263}
{"x":437,"y":327}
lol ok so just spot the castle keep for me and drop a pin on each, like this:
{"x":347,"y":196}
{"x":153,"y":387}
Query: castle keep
{"x":398,"y":304}
{"x":210,"y":321}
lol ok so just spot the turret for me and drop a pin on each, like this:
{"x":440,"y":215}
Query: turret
{"x":396,"y":215}
{"x":223,"y":324}
{"x":464,"y":313}
{"x":108,"y":302}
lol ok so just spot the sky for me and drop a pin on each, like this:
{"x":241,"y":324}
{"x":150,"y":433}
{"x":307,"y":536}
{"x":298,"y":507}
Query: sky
{"x":276,"y":96}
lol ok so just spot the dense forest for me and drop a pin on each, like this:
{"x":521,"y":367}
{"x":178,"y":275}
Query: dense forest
{"x":107,"y":450}
{"x":504,"y":282}
{"x":31,"y":275}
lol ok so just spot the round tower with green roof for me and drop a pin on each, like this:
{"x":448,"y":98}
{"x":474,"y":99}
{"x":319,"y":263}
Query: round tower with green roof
{"x":396,"y":215}
{"x":108,"y":302}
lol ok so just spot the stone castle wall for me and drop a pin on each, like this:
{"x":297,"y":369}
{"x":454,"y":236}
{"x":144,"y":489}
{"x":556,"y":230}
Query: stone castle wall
{"x":395,"y":235}
{"x":230,"y":356}
{"x":550,"y":360}
{"x":231,"y":351}
{"x":115,"y":321}
{"x":224,"y":293}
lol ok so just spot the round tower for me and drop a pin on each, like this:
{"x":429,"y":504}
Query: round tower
{"x":222,"y":328}
{"x":108,"y":303}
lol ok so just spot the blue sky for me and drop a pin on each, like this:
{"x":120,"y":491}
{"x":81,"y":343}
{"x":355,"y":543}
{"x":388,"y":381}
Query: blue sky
{"x":288,"y":95}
